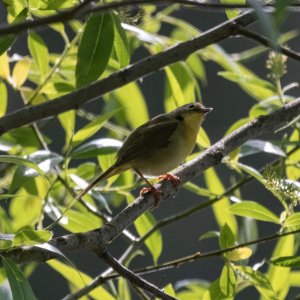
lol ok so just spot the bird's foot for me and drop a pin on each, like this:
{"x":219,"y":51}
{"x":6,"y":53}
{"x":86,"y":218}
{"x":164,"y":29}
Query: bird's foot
{"x":155,"y":192}
{"x":175,"y":180}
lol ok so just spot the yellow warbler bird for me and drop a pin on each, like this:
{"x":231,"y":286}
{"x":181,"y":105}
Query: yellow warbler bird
{"x":158,"y":146}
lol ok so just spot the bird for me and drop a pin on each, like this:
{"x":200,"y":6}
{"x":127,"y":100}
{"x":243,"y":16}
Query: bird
{"x":157,"y":147}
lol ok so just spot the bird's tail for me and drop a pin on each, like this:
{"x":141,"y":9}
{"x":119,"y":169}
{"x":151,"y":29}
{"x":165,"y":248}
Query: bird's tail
{"x":111,"y":171}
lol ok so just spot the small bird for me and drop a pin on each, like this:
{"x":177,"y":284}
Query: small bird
{"x":158,"y":146}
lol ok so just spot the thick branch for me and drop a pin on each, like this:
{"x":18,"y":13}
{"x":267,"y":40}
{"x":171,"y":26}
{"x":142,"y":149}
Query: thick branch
{"x":131,"y":73}
{"x":211,"y":157}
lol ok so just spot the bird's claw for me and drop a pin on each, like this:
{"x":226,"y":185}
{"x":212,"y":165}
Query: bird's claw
{"x":175,"y":180}
{"x":155,"y":192}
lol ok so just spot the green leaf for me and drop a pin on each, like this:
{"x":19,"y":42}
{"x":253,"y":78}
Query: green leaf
{"x":96,"y":147}
{"x":192,"y":187}
{"x":203,"y":139}
{"x":259,"y":280}
{"x":254,"y":210}
{"x":3,"y":98}
{"x":180,"y":86}
{"x":19,"y":161}
{"x":79,"y":280}
{"x":20,"y":71}
{"x":67,"y":121}
{"x":209,"y":234}
{"x":94,"y":49}
{"x":91,"y":128}
{"x":27,"y":237}
{"x":279,"y":276}
{"x":39,"y":53}
{"x":221,"y":207}
{"x":250,"y":170}
{"x":292,"y":220}
{"x":228,"y":280}
{"x":76,"y":221}
{"x":256,"y":146}
{"x":226,"y":239}
{"x":232,"y":13}
{"x":154,"y":243}
{"x":19,"y":284}
{"x":5,"y":70}
{"x":121,"y":44}
{"x":292,"y":167}
{"x":239,"y":254}
{"x":286,"y":261}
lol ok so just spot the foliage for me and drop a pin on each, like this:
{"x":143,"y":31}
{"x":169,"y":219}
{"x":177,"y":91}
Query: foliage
{"x":39,"y":179}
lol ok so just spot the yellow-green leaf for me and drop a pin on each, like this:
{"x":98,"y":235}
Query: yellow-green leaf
{"x":3,"y":98}
{"x":220,"y":208}
{"x":20,"y":71}
{"x":4,"y":70}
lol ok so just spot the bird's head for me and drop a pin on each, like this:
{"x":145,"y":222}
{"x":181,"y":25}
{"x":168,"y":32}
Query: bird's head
{"x":191,"y":110}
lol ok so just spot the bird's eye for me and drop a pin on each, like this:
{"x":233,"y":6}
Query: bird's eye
{"x":191,"y":106}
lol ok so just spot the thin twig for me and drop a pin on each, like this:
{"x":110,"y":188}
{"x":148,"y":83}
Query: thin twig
{"x":104,"y":255}
{"x":266,"y":42}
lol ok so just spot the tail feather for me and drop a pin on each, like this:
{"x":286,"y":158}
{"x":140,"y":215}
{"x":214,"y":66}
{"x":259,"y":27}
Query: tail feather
{"x":113,"y":170}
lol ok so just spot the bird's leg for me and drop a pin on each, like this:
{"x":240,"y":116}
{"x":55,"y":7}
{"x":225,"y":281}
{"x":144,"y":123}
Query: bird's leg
{"x":151,"y":189}
{"x":175,"y":180}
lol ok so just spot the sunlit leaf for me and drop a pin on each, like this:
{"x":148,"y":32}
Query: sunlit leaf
{"x":121,"y":44}
{"x":31,"y":237}
{"x":154,"y":243}
{"x":286,"y":261}
{"x":292,"y":220}
{"x":180,"y":86}
{"x":3,"y":98}
{"x":239,"y":254}
{"x":253,"y":210}
{"x":96,"y":147}
{"x":279,"y":276}
{"x":228,"y":280}
{"x":292,"y":162}
{"x":209,"y":234}
{"x":91,"y":128}
{"x":39,"y":53}
{"x":67,"y":121}
{"x":20,"y":71}
{"x":75,"y":221}
{"x":132,"y":103}
{"x":79,"y":279}
{"x":94,"y":49}
{"x":221,"y":207}
{"x":226,"y":238}
{"x":19,"y":284}
{"x":255,"y":146}
{"x":4,"y":70}
{"x":259,"y":280}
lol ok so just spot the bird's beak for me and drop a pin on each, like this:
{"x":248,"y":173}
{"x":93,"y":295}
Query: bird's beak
{"x":206,"y":110}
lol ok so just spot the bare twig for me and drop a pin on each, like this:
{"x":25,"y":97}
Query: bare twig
{"x":144,"y":67}
{"x":210,"y":157}
{"x":266,"y":42}
{"x":131,"y":276}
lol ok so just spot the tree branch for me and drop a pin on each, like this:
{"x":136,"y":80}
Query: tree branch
{"x":210,"y":157}
{"x":142,"y":68}
{"x":85,"y":8}
{"x":131,"y":276}
{"x":266,"y":42}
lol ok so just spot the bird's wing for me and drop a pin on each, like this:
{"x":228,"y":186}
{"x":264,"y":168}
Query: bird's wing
{"x":147,"y":139}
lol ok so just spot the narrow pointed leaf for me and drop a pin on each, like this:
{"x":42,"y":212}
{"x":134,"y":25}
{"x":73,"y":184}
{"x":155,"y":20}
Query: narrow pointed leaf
{"x":94,"y":49}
